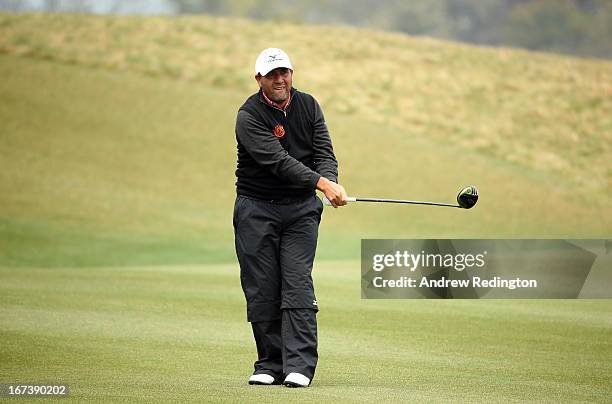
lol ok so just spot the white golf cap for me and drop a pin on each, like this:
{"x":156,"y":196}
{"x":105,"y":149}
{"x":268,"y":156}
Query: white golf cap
{"x":270,"y":59}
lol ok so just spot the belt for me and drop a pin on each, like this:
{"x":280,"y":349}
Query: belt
{"x":281,"y":201}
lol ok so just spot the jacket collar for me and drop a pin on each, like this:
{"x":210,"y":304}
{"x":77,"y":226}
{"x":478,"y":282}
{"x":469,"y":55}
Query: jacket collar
{"x":263,"y":98}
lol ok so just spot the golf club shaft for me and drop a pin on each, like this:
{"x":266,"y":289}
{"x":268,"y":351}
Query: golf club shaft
{"x":405,"y":201}
{"x":354,"y":199}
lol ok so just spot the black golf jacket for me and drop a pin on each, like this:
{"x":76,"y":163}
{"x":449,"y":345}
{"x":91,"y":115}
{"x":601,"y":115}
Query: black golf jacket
{"x":282,"y":154}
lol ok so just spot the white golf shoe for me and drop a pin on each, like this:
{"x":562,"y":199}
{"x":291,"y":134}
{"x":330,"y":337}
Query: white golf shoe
{"x":296,"y":380}
{"x":261,"y":379}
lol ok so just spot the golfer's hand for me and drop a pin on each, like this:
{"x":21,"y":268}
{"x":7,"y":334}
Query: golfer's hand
{"x":335,"y":193}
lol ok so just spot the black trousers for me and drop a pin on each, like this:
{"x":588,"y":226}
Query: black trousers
{"x":275,"y":245}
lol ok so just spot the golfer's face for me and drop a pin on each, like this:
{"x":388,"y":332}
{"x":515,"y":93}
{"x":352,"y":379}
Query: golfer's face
{"x":277,"y":84}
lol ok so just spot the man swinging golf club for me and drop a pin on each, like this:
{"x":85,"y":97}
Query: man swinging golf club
{"x":284,"y":154}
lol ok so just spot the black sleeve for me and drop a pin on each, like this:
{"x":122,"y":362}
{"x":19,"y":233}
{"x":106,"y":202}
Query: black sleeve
{"x":265,"y":149}
{"x":324,"y":158}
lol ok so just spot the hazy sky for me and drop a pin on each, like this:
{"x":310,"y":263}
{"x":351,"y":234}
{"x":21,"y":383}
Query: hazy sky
{"x":106,"y":6}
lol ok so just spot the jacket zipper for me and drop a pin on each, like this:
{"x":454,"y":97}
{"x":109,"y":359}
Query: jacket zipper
{"x":272,"y":106}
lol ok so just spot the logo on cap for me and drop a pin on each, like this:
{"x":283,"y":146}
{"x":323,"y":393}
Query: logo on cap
{"x":279,"y":131}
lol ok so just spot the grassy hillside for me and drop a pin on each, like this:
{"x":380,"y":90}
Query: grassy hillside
{"x":543,"y":112}
{"x":111,"y":158}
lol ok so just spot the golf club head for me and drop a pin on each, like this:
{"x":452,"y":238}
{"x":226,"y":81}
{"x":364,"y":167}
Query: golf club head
{"x":467,"y":197}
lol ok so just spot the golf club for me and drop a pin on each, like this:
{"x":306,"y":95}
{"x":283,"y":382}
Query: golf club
{"x":466,"y":199}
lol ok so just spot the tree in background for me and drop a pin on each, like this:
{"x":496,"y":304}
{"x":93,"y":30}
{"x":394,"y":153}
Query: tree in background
{"x":581,"y":27}
{"x":214,"y":7}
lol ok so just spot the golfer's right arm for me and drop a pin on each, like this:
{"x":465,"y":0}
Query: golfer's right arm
{"x":265,"y":149}
{"x":335,"y":193}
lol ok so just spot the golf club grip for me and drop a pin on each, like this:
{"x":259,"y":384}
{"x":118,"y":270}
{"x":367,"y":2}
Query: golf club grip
{"x":326,"y":201}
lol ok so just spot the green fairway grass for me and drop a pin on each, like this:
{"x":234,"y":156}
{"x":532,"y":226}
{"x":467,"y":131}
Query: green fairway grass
{"x":179,"y":333}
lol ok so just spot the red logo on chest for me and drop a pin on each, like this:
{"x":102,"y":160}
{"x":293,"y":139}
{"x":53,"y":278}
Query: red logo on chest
{"x":279,"y":131}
